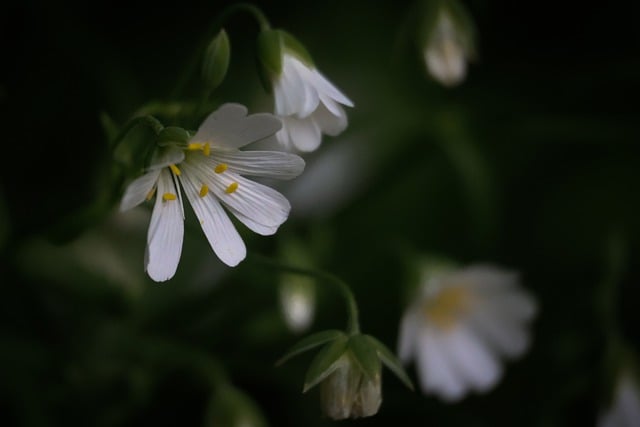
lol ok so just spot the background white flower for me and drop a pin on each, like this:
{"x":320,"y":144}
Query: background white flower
{"x":308,"y":104}
{"x":461,"y":325}
{"x":211,"y":171}
{"x":625,"y":407}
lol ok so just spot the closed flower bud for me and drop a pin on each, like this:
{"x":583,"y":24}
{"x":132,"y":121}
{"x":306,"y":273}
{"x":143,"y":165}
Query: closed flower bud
{"x":216,"y":60}
{"x":348,"y":392}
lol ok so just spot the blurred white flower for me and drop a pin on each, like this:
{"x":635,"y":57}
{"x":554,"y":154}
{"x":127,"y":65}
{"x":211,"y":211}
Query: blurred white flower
{"x":210,"y":170}
{"x":625,"y":407}
{"x":461,"y":325}
{"x":447,"y":50}
{"x":308,"y":104}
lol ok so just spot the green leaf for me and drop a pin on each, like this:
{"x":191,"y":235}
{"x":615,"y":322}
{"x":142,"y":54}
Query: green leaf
{"x":390,"y":360}
{"x":310,"y":342}
{"x":324,"y":362}
{"x":365,"y":355}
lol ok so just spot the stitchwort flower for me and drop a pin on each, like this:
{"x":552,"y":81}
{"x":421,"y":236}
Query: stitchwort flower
{"x":461,"y":324}
{"x":211,"y":171}
{"x":308,"y":103}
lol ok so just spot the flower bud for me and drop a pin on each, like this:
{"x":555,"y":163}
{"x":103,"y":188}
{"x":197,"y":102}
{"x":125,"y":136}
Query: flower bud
{"x":216,"y":60}
{"x":348,"y":392}
{"x":448,"y":41}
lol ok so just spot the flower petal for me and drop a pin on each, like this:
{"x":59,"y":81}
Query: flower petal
{"x":505,"y":335}
{"x":258,"y":203}
{"x":166,"y":231}
{"x":324,"y":86}
{"x":216,"y":225}
{"x":230,"y":127}
{"x":304,"y":134}
{"x":331,"y":123}
{"x":435,"y":370}
{"x":409,"y":329}
{"x":268,"y":164}
{"x":476,"y":364}
{"x":139,"y":189}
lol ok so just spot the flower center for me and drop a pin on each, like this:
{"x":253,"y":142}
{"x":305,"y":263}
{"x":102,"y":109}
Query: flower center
{"x":446,"y":308}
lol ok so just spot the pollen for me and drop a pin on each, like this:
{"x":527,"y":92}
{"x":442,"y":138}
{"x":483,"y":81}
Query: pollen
{"x":221,"y":168}
{"x":194,"y":146}
{"x":168,"y":196}
{"x":447,"y":307}
{"x":204,"y":190}
{"x":174,"y":169}
{"x":231,"y":188}
{"x":206,"y":149}
{"x":151,"y":193}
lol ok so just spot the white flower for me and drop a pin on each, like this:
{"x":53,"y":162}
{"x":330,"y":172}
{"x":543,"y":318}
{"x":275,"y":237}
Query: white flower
{"x":308,"y":104}
{"x":625,"y":408}
{"x":462,"y":323}
{"x":211,"y":172}
{"x":447,"y":51}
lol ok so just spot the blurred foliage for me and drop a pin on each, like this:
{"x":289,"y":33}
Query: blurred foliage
{"x":532,"y":163}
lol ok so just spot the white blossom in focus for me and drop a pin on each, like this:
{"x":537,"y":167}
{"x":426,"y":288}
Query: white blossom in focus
{"x":210,"y":171}
{"x":461,"y":325}
{"x":625,"y":407}
{"x":309,"y":105}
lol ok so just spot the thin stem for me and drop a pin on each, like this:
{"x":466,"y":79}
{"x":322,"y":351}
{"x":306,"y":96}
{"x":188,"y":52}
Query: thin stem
{"x":216,"y":26}
{"x":353,"y":326}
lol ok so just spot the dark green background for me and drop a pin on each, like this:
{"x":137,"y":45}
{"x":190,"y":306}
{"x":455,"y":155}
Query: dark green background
{"x":532,"y":164}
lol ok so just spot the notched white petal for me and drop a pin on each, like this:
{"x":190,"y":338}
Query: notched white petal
{"x":166,"y":231}
{"x":268,"y":164}
{"x":230,"y":127}
{"x":138,"y":191}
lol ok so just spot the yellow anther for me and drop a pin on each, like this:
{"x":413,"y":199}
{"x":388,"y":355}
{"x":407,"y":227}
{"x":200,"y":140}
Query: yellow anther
{"x":231,"y":188}
{"x":447,"y":308}
{"x":221,"y":168}
{"x":151,"y":193}
{"x":174,"y":169}
{"x":194,"y":146}
{"x":168,"y":196}
{"x":204,"y":190}
{"x":206,"y":150}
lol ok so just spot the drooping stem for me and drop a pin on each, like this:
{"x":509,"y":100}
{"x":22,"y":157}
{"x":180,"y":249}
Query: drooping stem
{"x":215,"y":27}
{"x":353,"y":325}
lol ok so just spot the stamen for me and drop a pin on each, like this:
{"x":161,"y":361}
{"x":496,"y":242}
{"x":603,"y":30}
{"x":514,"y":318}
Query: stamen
{"x":194,"y":146}
{"x":174,"y":169}
{"x":204,"y":190}
{"x":221,"y":168}
{"x":206,"y":150}
{"x":231,"y":188}
{"x":168,"y":196}
{"x":448,"y":307}
{"x":151,"y":193}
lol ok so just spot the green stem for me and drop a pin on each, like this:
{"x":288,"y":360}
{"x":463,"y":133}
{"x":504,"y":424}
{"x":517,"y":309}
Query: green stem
{"x":149,"y":121}
{"x":217,"y":25}
{"x":353,"y":326}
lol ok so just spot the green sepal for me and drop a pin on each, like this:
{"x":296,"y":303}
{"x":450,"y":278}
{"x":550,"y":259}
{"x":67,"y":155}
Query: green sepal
{"x":365,"y":355}
{"x":324,"y":362}
{"x":270,"y":49}
{"x":173,"y":135}
{"x":312,"y":341}
{"x":292,"y":45}
{"x":216,"y":60}
{"x":390,"y":360}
